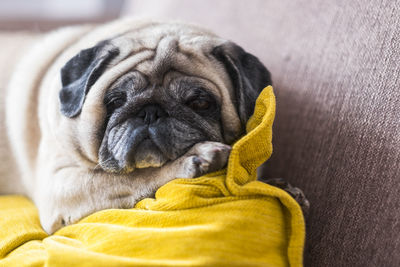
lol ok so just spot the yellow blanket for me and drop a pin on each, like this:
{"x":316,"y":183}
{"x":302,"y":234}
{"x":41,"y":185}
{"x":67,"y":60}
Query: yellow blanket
{"x":222,"y":219}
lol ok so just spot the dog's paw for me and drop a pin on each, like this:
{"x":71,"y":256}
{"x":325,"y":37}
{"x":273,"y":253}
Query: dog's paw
{"x":204,"y":158}
{"x":295,"y":192}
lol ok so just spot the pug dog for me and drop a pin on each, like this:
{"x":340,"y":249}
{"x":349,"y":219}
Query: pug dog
{"x":100,"y":117}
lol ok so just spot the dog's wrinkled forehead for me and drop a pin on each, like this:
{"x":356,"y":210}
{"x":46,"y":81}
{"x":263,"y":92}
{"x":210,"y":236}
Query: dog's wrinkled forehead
{"x":158,"y":52}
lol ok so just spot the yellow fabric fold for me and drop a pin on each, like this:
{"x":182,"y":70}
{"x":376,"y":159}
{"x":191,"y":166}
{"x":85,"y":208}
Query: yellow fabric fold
{"x":226,"y":218}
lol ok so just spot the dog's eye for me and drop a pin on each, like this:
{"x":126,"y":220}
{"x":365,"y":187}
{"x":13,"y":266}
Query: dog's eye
{"x":115,"y":100}
{"x":199,"y":104}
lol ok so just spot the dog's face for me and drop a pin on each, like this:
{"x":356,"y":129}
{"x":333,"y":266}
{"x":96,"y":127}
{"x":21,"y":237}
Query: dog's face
{"x":149,"y":124}
{"x":184,"y":86}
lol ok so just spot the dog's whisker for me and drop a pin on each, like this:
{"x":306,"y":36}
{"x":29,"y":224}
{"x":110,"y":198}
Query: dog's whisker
{"x":98,"y":166}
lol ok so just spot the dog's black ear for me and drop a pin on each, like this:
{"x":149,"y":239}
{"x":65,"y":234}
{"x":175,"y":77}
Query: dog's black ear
{"x":249,"y":76}
{"x":80,"y":73}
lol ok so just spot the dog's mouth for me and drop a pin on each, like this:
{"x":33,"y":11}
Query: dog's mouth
{"x":126,"y":148}
{"x":147,"y":155}
{"x":133,"y":144}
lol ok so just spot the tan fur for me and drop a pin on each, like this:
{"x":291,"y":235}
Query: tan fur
{"x":58,"y":156}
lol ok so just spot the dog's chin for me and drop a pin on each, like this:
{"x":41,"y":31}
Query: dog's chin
{"x":147,"y":155}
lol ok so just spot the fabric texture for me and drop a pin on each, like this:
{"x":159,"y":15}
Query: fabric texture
{"x":336,"y":74}
{"x":225,"y":218}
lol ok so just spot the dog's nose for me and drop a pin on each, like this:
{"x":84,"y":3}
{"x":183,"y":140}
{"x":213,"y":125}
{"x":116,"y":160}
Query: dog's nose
{"x":151,"y":113}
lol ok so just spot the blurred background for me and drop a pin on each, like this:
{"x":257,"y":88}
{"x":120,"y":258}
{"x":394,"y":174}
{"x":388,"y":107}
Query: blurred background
{"x":43,"y":15}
